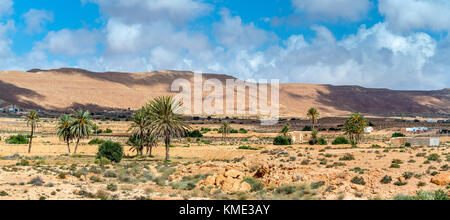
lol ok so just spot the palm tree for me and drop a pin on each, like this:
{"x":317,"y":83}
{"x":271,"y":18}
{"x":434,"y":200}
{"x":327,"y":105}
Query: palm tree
{"x":32,"y":121}
{"x":139,"y":125}
{"x":313,"y":114}
{"x":150,"y":141}
{"x":354,"y":127}
{"x":82,"y":126}
{"x":64,"y":129}
{"x":166,"y":120}
{"x":226,"y":128}
{"x":285,"y":130}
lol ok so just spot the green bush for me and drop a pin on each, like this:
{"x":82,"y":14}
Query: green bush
{"x":254,"y":183}
{"x":205,"y":130}
{"x":433,"y":157}
{"x":108,"y":131}
{"x":234,"y":131}
{"x":347,"y":157}
{"x":243,"y":131}
{"x":96,"y":141}
{"x":386,"y":180}
{"x":17,"y":139}
{"x":358,"y":180}
{"x":407,"y":144}
{"x":249,"y":148}
{"x":194,"y":134}
{"x":340,"y":140}
{"x":307,"y":128}
{"x":280,"y":140}
{"x":394,"y":135}
{"x":322,"y":141}
{"x":102,"y":161}
{"x":113,"y":151}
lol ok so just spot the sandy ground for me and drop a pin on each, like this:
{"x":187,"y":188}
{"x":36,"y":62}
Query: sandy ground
{"x":137,"y":178}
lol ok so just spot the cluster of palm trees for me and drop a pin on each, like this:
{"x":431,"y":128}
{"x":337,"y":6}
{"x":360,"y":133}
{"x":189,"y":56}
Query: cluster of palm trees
{"x":75,"y":128}
{"x":161,"y":118}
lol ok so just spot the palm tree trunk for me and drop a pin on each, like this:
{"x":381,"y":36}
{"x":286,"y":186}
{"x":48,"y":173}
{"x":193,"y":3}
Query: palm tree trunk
{"x":151,"y":148}
{"x":31,"y":139}
{"x":313,"y":124}
{"x":76,"y":146}
{"x":141,"y":149}
{"x":167,"y":142}
{"x":68,"y":146}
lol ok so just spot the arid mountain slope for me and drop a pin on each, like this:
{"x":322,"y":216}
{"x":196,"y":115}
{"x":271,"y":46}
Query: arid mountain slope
{"x":65,"y":89}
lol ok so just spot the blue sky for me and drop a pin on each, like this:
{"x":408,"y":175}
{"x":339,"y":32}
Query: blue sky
{"x":397,"y":44}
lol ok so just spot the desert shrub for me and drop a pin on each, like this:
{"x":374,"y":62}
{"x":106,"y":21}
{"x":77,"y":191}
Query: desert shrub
{"x":102,"y":195}
{"x":95,"y":179}
{"x":243,"y":131}
{"x":317,"y":185}
{"x":96,"y":141}
{"x":3,"y":193}
{"x":295,"y":192}
{"x":24,"y":163}
{"x":194,"y":134}
{"x":386,"y":180}
{"x":166,"y":172}
{"x":400,"y":183}
{"x":234,"y":131}
{"x":113,"y":151}
{"x":108,"y":131}
{"x":340,"y":140}
{"x":395,"y":165}
{"x":110,"y":174}
{"x":358,"y":180}
{"x":189,"y":182}
{"x":358,"y":170}
{"x":281,"y":140}
{"x":322,"y":141}
{"x":205,"y":130}
{"x":433,"y":157}
{"x":407,"y":144}
{"x":249,"y":148}
{"x":37,"y":181}
{"x":376,"y":146}
{"x":102,"y":161}
{"x":421,"y":184}
{"x":62,"y":175}
{"x":408,"y":175}
{"x":111,"y":187}
{"x":254,"y":183}
{"x":347,"y":157}
{"x":17,"y":139}
{"x":394,"y":135}
{"x":307,"y":128}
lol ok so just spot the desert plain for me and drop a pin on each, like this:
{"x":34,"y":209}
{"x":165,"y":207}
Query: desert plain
{"x":241,"y":166}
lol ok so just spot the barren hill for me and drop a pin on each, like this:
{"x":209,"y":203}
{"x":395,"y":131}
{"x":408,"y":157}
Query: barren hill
{"x":65,"y":89}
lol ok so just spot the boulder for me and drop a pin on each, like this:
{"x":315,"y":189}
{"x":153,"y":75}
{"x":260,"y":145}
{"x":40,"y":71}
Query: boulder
{"x":233,"y":174}
{"x":228,"y":181}
{"x":442,"y":179}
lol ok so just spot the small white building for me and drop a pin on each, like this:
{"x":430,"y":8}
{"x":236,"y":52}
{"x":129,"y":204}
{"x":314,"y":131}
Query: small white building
{"x":368,"y":130}
{"x":434,"y":142}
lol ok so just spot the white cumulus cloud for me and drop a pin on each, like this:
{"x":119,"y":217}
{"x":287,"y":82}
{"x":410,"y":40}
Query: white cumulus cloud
{"x":138,"y":11}
{"x":407,"y":15}
{"x":352,"y":10}
{"x":70,"y":42}
{"x":35,"y":20}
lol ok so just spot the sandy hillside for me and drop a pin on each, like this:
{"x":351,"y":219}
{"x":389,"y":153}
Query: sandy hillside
{"x":64,"y":89}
